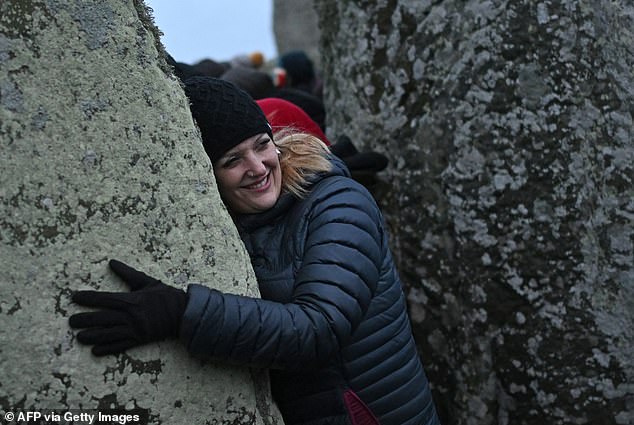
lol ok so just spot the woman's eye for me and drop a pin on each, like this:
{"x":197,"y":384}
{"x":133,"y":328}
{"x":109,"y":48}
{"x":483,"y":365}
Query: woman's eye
{"x":230,"y":162}
{"x":263,"y":144}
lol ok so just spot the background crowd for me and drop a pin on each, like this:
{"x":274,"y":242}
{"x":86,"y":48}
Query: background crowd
{"x":289,"y":91}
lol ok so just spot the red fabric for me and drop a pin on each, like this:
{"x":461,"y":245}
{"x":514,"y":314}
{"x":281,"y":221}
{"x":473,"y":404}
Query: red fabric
{"x":359,"y":413}
{"x":282,"y":113}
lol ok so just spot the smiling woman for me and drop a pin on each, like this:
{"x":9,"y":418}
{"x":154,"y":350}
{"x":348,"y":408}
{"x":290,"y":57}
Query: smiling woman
{"x":219,"y":30}
{"x":251,"y":176}
{"x":331,"y":324}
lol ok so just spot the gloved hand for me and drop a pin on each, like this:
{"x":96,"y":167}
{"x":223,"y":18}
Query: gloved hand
{"x":369,"y":162}
{"x":151,"y":312}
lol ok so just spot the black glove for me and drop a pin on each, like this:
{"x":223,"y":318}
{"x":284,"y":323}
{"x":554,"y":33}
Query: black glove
{"x":358,"y":162}
{"x":151,"y":312}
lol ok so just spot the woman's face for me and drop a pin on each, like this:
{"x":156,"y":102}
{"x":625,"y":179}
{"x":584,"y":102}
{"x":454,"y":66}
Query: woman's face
{"x":249,"y":176}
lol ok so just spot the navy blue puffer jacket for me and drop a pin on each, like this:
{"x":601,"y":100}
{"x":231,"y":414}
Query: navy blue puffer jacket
{"x":332,"y":314}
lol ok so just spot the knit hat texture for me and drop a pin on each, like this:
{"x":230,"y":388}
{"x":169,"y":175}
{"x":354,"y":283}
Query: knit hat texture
{"x":226,"y":115}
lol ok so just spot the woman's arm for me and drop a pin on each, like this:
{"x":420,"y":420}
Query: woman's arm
{"x":332,"y":291}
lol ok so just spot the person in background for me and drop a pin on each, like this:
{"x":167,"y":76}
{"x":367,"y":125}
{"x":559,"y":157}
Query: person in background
{"x":362,"y":165}
{"x":211,"y":68}
{"x":283,"y":114}
{"x":257,"y":83}
{"x":331,"y":326}
{"x":300,"y":72}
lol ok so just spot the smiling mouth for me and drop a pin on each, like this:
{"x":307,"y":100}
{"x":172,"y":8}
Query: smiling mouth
{"x":260,"y":184}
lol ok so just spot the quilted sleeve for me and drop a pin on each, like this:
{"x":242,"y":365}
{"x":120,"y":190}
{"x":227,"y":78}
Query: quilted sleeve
{"x":333,"y":288}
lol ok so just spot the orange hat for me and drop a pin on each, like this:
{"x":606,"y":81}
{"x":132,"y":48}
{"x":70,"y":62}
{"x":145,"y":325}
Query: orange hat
{"x":257,"y":59}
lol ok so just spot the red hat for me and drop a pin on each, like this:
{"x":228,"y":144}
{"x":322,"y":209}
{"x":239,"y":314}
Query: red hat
{"x":281,"y":113}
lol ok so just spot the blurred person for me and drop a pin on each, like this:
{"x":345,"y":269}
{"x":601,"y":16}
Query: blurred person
{"x":300,"y":72}
{"x":282,"y":114}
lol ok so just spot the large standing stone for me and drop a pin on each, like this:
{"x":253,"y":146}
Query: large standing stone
{"x":296,"y":28}
{"x":509,"y":129}
{"x":101,"y":159}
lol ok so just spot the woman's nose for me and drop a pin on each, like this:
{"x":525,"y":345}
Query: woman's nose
{"x":255,"y":165}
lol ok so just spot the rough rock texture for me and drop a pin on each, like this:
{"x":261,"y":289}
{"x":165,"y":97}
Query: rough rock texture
{"x":509,"y":196}
{"x":296,"y":28}
{"x":101,"y":159}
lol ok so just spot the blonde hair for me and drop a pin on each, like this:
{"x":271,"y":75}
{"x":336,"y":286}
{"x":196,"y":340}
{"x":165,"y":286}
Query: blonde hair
{"x":302,"y":157}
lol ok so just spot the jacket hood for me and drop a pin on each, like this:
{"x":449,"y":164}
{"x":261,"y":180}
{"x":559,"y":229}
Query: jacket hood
{"x":339,"y":167}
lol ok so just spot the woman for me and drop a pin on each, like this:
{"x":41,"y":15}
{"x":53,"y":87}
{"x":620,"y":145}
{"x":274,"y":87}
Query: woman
{"x":331,"y":324}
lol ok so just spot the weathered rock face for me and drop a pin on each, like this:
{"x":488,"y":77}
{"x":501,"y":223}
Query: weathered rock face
{"x":295,"y":27}
{"x":509,"y":196}
{"x":101,"y":159}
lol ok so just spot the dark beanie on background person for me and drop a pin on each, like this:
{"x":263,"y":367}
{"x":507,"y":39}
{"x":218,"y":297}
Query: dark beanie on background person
{"x":226,"y":115}
{"x":257,"y":83}
{"x":298,"y":66}
{"x":182,"y":70}
{"x":210,"y":68}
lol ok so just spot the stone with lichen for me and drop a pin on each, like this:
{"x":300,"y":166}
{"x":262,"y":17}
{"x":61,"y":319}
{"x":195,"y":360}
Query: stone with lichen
{"x":101,"y":159}
{"x":509,"y":194}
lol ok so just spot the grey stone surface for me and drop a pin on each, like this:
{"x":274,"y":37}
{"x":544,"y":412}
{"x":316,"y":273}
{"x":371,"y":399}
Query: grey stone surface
{"x":296,"y":27}
{"x":509,"y":194}
{"x":101,"y":159}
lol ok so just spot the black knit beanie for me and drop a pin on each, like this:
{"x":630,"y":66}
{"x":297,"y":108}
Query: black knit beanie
{"x":225,"y":114}
{"x":298,"y":66}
